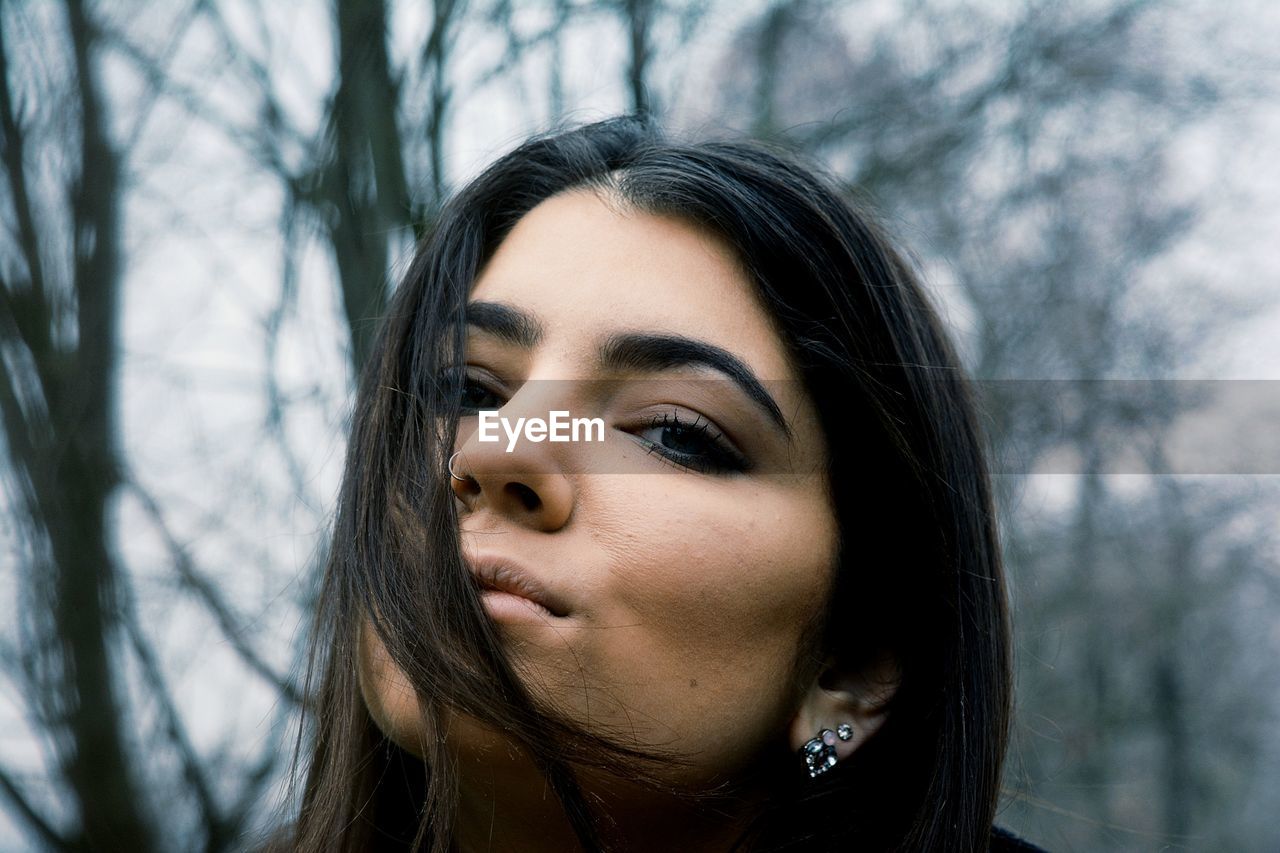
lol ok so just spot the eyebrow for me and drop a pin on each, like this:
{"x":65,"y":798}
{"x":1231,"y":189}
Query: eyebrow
{"x":503,"y":321}
{"x":646,"y":351}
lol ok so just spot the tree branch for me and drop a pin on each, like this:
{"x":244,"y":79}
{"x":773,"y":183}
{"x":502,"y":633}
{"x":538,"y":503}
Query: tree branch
{"x":30,"y":817}
{"x":29,"y":310}
{"x":206,"y":591}
{"x":192,"y":770}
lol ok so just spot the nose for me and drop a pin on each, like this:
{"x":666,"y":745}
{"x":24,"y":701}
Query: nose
{"x":526,"y":486}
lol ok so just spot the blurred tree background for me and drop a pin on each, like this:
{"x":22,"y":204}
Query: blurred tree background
{"x":204,"y":206}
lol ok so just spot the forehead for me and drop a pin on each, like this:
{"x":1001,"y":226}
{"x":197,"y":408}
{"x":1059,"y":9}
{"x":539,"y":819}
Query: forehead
{"x":586,"y":268}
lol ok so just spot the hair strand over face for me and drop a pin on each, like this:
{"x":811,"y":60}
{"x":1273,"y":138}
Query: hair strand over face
{"x":909,"y":486}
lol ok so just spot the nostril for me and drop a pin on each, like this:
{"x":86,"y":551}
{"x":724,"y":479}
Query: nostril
{"x":528,"y":497}
{"x":465,"y":487}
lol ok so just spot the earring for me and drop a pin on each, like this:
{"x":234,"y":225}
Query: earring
{"x":820,"y":752}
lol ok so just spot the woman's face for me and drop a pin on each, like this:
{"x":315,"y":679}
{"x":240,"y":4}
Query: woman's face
{"x":681,"y":567}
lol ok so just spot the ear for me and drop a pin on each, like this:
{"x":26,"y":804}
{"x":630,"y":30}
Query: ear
{"x":859,"y":698}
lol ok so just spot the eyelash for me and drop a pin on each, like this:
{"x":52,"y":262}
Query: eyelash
{"x":719,"y":457}
{"x":716,"y":455}
{"x":464,"y":383}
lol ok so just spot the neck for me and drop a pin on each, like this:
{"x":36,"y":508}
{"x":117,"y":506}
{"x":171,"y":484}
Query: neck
{"x":506,"y":805}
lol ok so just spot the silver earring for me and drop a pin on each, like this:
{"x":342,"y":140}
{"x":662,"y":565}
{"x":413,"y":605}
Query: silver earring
{"x":449,"y":466}
{"x":820,"y":752}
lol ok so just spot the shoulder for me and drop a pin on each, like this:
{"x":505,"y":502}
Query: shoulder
{"x":1004,"y":841}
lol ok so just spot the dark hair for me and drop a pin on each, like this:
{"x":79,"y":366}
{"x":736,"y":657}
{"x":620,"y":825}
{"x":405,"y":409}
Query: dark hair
{"x":908,"y":480}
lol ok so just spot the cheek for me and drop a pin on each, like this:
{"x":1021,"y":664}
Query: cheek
{"x":387,"y":694}
{"x":705,"y":557}
{"x":708,"y":589}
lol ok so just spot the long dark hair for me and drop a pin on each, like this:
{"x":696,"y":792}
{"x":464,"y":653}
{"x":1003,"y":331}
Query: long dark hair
{"x":919,"y":577}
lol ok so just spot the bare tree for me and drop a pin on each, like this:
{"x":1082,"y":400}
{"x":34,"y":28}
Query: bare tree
{"x":1024,"y":150}
{"x":1036,"y":180}
{"x":60,"y":305}
{"x":362,"y":186}
{"x":61,"y":352}
{"x":59,"y":324}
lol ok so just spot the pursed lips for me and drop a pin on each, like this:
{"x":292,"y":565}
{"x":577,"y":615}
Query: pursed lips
{"x":502,"y":575}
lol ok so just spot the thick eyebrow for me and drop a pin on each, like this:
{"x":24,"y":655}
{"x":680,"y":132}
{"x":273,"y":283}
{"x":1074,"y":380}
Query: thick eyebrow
{"x":632,"y":351}
{"x":649,"y":351}
{"x":503,"y":321}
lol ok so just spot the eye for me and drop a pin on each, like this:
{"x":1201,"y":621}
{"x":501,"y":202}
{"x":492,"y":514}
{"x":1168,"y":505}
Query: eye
{"x":475,"y":396}
{"x":696,"y":444}
{"x":472,"y":391}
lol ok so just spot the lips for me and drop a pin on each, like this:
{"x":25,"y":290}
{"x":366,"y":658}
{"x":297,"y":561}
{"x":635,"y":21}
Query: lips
{"x":502,"y":575}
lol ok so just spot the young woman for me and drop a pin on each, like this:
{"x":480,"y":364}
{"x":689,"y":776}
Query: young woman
{"x":757,"y":606}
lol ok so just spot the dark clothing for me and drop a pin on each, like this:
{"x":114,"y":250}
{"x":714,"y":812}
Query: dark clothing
{"x":1004,"y":841}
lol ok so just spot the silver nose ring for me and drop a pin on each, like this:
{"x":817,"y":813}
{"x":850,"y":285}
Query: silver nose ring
{"x":449,"y":466}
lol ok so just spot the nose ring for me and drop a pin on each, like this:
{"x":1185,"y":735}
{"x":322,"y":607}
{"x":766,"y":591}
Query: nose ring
{"x":449,"y":466}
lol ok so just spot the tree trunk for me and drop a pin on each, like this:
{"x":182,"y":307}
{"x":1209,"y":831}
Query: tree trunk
{"x":365,"y":179}
{"x":639,"y":16}
{"x":59,"y":410}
